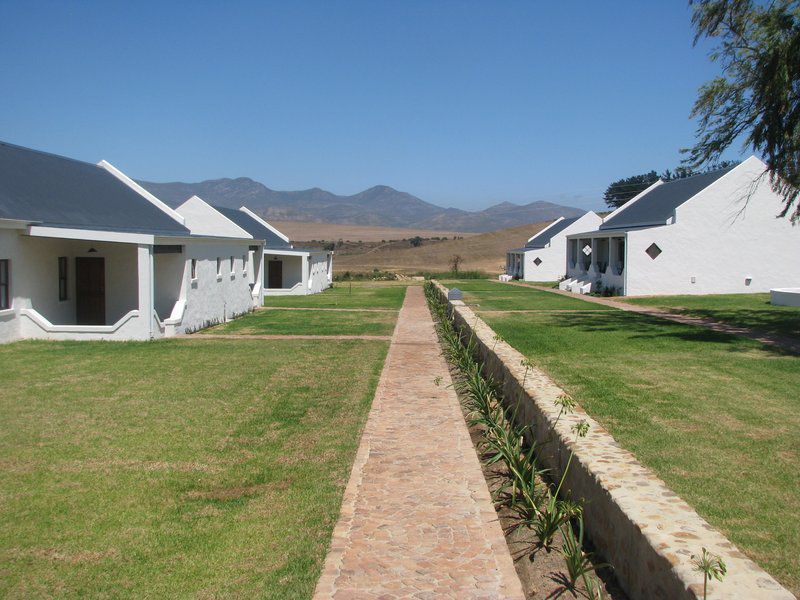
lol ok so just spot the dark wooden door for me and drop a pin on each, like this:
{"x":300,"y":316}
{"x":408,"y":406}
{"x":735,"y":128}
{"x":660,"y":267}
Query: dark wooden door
{"x":90,"y":291}
{"x":275,"y":279}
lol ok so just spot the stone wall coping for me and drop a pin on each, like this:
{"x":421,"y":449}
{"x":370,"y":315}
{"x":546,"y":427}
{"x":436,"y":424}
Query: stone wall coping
{"x":640,"y":526}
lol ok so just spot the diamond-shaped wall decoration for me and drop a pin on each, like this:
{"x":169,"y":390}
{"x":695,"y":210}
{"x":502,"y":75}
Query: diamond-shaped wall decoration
{"x":537,"y":261}
{"x":653,"y":251}
{"x":587,"y":249}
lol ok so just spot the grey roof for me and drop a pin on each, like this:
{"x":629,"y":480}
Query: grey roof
{"x":61,"y":192}
{"x":543,"y":238}
{"x":658,"y":205}
{"x":254,"y":228}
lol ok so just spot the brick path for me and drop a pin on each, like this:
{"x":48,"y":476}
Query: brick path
{"x":417,"y":520}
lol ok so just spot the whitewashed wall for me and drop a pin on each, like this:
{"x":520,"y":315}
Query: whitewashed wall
{"x":212,"y":298}
{"x":554,"y":256}
{"x":169,"y":272}
{"x":318,"y":278}
{"x":720,"y":242}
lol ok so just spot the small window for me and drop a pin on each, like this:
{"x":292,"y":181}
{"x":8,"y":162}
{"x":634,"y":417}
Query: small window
{"x":219,"y":266}
{"x":653,"y":251}
{"x":194,"y":268}
{"x":5,"y":284}
{"x":62,"y":278}
{"x":233,"y":266}
{"x":537,"y":261}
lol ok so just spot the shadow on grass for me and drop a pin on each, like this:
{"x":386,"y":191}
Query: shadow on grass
{"x":635,"y":330}
{"x":785,"y":323}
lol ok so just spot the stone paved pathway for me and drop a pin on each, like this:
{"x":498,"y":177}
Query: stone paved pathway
{"x":417,"y":520}
{"x":765,"y":337}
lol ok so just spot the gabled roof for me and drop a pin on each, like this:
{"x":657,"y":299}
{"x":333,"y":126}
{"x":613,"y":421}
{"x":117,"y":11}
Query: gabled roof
{"x":203,"y":219}
{"x":541,"y":239}
{"x":254,"y":228}
{"x":55,"y":191}
{"x":656,"y":206}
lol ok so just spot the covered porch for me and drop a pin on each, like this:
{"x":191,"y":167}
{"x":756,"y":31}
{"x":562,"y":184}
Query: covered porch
{"x":284,"y":272}
{"x":515,"y":264}
{"x":76,"y":287}
{"x":595,"y":262}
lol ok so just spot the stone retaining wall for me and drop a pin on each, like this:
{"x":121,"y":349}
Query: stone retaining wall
{"x":634,"y":520}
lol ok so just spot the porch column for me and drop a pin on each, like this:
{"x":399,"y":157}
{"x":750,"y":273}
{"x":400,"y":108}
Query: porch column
{"x":305,"y":261}
{"x":144,"y":256}
{"x":258,"y":275}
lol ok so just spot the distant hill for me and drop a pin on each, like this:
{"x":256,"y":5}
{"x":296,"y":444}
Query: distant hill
{"x":482,"y":252}
{"x":378,"y":206}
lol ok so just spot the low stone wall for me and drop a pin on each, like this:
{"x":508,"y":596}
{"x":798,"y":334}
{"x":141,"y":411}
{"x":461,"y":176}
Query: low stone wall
{"x":634,"y":520}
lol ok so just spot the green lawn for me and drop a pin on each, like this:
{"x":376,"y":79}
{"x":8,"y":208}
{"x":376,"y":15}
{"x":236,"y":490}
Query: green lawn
{"x":179,"y":468}
{"x":716,"y":416}
{"x":310,"y":322}
{"x":347,"y":295}
{"x":489,"y":295}
{"x":743,"y":310}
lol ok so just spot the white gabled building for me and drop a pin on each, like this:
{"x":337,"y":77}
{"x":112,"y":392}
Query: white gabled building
{"x":88,"y":254}
{"x":222,"y":262}
{"x":542,"y":257}
{"x":714,"y":233}
{"x":287,"y":270}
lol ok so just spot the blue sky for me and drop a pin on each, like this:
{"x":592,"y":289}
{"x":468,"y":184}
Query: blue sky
{"x":461,"y":103}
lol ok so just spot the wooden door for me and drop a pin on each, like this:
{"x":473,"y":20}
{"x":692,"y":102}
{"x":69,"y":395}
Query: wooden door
{"x":90,"y":291}
{"x":275,"y":279}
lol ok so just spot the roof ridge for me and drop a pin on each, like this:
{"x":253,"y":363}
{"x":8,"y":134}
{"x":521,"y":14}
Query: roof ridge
{"x":45,"y":153}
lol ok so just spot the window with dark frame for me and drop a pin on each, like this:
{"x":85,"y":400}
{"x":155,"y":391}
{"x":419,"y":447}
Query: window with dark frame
{"x":5,"y":284}
{"x":194,"y":268}
{"x":62,"y":278}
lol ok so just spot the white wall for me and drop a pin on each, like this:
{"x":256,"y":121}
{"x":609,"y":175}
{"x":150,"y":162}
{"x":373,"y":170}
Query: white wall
{"x":318,"y":277}
{"x":169,"y":274}
{"x":211,"y":298}
{"x":554,"y":257}
{"x":719,"y":241}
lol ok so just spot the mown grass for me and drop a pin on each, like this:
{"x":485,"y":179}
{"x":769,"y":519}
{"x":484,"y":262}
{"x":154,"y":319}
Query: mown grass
{"x":310,"y":322}
{"x":742,"y":310}
{"x":490,"y":295}
{"x":347,"y":295}
{"x":180,"y":468}
{"x":716,"y":416}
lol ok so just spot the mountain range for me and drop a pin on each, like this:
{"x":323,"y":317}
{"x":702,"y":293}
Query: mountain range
{"x":379,"y":206}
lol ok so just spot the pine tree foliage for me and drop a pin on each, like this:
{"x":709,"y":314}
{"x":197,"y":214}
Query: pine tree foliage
{"x":622,"y":190}
{"x":757,"y":97}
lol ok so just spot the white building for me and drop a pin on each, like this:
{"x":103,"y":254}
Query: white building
{"x":86,"y":253}
{"x":542,"y":257}
{"x":715,"y":233}
{"x":223,"y":262}
{"x":287,"y":270}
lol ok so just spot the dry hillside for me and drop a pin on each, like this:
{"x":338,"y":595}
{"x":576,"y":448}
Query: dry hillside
{"x":303,"y":231}
{"x":485,"y":252}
